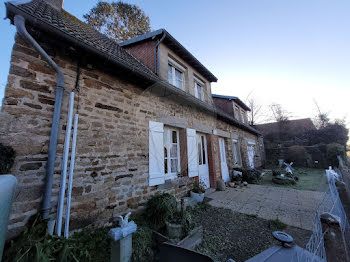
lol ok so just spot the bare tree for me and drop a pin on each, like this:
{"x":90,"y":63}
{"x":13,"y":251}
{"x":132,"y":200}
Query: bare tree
{"x":255,"y":110}
{"x":322,"y":118}
{"x":279,"y":114}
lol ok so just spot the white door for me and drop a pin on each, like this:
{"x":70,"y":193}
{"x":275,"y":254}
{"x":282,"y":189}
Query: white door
{"x":203,"y":167}
{"x":224,"y":168}
{"x":251,"y":153}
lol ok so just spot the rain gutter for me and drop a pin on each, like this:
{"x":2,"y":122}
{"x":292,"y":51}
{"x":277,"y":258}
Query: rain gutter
{"x":19,"y":22}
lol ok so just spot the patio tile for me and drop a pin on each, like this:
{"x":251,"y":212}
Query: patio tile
{"x":293,"y":207}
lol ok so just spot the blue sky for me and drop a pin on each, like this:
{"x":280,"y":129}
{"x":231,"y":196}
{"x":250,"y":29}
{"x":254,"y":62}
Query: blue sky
{"x":278,"y":51}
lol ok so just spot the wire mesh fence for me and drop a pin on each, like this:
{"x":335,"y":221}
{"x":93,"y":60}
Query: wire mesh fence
{"x":331,"y":203}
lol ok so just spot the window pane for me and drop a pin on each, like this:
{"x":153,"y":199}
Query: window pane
{"x":174,"y":165}
{"x":203,"y":148}
{"x":174,"y":136}
{"x":199,"y":150}
{"x":165,"y":165}
{"x":165,"y":142}
{"x":170,"y":74}
{"x":173,"y":150}
{"x":178,"y":78}
{"x":199,"y":88}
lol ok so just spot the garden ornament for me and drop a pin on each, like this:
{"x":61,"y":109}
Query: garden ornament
{"x":121,"y":249}
{"x":289,"y":168}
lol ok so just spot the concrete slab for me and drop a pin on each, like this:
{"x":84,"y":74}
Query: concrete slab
{"x":293,"y":207}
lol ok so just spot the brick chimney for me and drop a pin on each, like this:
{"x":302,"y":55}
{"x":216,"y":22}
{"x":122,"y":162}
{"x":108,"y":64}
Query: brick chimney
{"x":58,"y":4}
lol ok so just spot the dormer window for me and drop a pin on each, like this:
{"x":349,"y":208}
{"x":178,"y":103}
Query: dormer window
{"x":198,"y":88}
{"x":243,"y":116}
{"x":176,"y":74}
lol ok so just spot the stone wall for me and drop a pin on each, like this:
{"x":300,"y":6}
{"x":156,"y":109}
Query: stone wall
{"x":111,"y":170}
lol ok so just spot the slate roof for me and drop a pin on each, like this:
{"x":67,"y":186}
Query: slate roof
{"x":43,"y":14}
{"x":177,"y":47}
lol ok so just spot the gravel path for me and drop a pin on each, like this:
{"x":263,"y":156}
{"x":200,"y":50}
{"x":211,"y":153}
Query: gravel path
{"x":228,"y":234}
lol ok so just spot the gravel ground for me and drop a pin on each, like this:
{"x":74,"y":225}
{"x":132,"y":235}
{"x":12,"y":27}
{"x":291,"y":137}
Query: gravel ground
{"x":229,"y":234}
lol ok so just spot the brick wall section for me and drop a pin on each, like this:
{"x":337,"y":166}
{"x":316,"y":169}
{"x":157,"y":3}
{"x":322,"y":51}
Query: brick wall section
{"x":225,"y":105}
{"x":144,"y":51}
{"x":111,"y":171}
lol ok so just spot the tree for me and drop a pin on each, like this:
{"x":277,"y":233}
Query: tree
{"x":279,"y":114}
{"x":118,"y":20}
{"x":322,"y":118}
{"x":255,"y":110}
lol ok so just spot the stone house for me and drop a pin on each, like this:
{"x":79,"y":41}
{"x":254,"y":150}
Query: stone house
{"x":233,"y":106}
{"x":147,"y":121}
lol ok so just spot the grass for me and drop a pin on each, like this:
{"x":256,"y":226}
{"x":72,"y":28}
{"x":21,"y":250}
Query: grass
{"x":309,"y":179}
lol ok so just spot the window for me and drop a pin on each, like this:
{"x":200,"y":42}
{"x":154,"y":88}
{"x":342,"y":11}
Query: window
{"x":236,"y":110}
{"x":198,"y":88}
{"x":201,"y":150}
{"x":176,"y":74}
{"x":243,"y":116}
{"x":198,"y":91}
{"x":171,"y":152}
{"x":236,"y":153}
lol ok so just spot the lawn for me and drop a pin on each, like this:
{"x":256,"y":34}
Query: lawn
{"x":309,"y":179}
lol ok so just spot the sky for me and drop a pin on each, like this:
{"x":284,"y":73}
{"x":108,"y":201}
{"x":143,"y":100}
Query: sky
{"x":290,"y":52}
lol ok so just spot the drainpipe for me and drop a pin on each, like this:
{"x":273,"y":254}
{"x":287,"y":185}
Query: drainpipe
{"x":156,"y":66}
{"x":21,"y":29}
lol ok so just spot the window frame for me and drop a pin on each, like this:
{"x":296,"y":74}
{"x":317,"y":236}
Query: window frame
{"x":176,"y":66}
{"x":168,"y":158}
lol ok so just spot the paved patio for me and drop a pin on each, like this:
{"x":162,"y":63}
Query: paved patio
{"x":292,"y":207}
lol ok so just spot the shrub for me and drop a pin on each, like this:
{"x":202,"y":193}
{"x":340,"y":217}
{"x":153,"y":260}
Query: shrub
{"x":159,"y":208}
{"x":276,"y":172}
{"x":198,"y":187}
{"x":142,"y":245}
{"x":7,"y":158}
{"x":34,"y":244}
{"x":298,"y":155}
{"x":332,"y":151}
{"x":252,"y":175}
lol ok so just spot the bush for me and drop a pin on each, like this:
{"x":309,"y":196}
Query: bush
{"x":34,"y":244}
{"x":159,"y":208}
{"x":251,"y":175}
{"x":276,"y":172}
{"x":7,"y":158}
{"x":298,"y":155}
{"x":142,"y":245}
{"x":332,"y":151}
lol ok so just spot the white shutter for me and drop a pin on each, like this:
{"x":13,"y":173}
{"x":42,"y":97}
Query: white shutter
{"x":156,"y":154}
{"x":192,"y":152}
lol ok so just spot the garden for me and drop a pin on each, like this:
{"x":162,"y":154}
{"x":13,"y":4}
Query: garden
{"x":223,"y":233}
{"x":312,"y":179}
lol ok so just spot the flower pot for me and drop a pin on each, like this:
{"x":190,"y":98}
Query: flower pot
{"x":199,"y":197}
{"x":174,"y":231}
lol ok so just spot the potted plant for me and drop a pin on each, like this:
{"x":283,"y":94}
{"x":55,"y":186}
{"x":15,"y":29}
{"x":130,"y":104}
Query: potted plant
{"x":197,"y":193}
